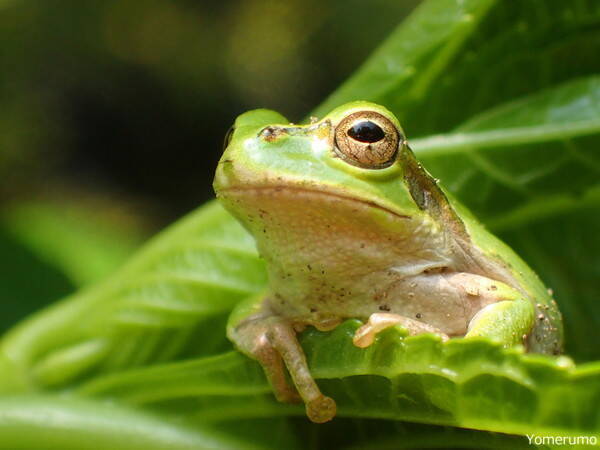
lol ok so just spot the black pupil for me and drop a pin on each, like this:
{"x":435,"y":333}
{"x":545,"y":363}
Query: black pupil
{"x":366,"y":131}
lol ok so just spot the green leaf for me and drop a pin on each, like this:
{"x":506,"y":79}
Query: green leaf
{"x":555,"y":134}
{"x":453,"y":59}
{"x":82,"y":241}
{"x":414,"y":55}
{"x":18,"y":295}
{"x":474,"y":384}
{"x":169,"y":301}
{"x":48,"y":422}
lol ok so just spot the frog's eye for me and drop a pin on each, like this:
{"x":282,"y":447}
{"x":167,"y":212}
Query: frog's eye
{"x":367,"y":139}
{"x":228,"y":137}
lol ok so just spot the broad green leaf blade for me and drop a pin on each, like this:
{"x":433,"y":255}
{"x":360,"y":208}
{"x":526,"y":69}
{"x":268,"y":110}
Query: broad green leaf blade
{"x":48,"y":422}
{"x":171,"y":300}
{"x":451,"y":60}
{"x":81,"y":240}
{"x":508,"y":165}
{"x":474,"y":384}
{"x":414,"y":55}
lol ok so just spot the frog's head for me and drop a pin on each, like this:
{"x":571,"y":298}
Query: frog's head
{"x":344,"y":175}
{"x":354,"y":152}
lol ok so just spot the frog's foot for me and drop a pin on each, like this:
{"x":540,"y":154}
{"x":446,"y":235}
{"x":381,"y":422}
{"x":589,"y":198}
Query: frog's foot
{"x":365,"y":335}
{"x":272,"y":341}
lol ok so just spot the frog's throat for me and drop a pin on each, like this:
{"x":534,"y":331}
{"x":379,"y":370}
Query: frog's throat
{"x":304,"y":190}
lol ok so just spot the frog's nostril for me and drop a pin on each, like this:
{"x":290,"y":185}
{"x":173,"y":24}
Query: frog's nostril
{"x":270,"y":134}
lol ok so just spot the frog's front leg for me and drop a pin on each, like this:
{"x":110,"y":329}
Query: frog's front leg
{"x":272,"y":341}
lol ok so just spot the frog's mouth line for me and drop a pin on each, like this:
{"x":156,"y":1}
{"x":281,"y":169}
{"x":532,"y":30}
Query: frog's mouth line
{"x":324,"y":193}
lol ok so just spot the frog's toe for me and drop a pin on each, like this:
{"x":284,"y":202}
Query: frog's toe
{"x":322,"y":409}
{"x":364,"y":336}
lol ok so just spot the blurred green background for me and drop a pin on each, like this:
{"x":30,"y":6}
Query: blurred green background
{"x":113,"y":114}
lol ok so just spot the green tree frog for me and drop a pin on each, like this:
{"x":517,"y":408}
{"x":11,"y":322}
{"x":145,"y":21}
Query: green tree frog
{"x":350,"y":225}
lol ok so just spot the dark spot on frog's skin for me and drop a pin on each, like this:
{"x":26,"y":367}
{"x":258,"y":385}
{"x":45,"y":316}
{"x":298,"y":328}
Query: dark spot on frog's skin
{"x":419,"y":315}
{"x":313,"y":310}
{"x":362,"y":245}
{"x":308,"y":267}
{"x":264,"y":230}
{"x":493,"y":287}
{"x":322,"y":272}
{"x":384,"y":308}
